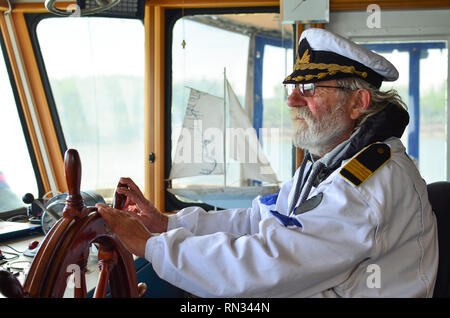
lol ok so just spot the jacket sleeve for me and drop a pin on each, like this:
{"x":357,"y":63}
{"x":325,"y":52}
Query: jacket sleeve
{"x":276,"y":260}
{"x":199,"y":222}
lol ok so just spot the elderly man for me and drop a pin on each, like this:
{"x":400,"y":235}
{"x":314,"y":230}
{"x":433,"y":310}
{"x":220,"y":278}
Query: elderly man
{"x":354,"y":221}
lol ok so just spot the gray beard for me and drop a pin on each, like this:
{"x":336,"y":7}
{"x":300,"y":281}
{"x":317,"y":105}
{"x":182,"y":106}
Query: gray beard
{"x":319,"y":136}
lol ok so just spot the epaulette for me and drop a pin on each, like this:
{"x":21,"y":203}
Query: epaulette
{"x":364,"y":165}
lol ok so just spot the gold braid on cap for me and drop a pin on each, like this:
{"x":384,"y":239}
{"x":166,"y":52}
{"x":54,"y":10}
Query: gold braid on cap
{"x":304,"y":64}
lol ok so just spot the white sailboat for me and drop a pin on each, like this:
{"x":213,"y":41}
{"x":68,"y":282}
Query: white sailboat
{"x":215,"y":139}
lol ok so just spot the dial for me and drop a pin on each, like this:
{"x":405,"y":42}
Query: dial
{"x":57,"y":204}
{"x":47,"y":221}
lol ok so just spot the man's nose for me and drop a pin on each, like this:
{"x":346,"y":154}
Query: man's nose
{"x":296,"y":99}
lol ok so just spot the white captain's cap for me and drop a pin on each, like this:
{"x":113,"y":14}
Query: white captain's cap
{"x":323,"y":55}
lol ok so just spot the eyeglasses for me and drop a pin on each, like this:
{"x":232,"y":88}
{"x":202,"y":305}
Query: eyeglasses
{"x":307,"y":90}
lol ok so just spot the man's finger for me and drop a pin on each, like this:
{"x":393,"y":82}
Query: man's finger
{"x":103,"y":210}
{"x":107,"y":213}
{"x":135,"y":197}
{"x":130,"y":183}
{"x":132,"y":197}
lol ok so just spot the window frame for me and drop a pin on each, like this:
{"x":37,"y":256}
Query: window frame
{"x":171,"y":17}
{"x":32,"y":21}
{"x":25,"y":130}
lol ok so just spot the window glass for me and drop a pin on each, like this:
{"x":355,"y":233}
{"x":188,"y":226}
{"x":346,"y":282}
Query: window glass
{"x":423,"y":81}
{"x":401,"y":61}
{"x":433,"y":115}
{"x":276,"y":118}
{"x":96,"y":71}
{"x":253,"y":54}
{"x":17,"y":176}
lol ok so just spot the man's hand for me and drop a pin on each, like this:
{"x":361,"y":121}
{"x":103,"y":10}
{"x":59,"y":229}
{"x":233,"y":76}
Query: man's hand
{"x":137,"y":204}
{"x":129,"y":229}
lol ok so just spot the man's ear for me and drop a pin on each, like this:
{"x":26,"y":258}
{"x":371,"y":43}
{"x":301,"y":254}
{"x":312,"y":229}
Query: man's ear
{"x":360,"y":102}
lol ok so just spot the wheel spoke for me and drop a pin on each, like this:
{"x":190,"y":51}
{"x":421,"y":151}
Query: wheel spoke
{"x":106,"y":262}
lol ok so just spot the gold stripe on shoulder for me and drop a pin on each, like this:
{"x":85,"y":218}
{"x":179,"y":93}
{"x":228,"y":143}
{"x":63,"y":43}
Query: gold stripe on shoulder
{"x":366,"y":163}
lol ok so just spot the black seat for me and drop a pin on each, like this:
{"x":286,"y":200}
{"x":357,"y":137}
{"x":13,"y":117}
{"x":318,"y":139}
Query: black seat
{"x":439,"y":196}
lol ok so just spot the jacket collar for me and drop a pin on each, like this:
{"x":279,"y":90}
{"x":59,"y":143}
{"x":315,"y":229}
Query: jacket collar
{"x":390,"y":122}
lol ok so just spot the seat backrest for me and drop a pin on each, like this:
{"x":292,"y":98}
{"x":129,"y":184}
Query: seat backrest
{"x":439,"y":196}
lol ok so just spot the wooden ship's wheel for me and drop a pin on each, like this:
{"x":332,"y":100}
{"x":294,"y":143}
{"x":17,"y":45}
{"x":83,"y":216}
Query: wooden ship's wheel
{"x":66,"y":247}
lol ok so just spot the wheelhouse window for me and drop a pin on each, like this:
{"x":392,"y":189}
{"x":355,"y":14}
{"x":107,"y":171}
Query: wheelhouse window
{"x":95,"y":68}
{"x":423,"y":86}
{"x":17,"y":176}
{"x":230,"y":126}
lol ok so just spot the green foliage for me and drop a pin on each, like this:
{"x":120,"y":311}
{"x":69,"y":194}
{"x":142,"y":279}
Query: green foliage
{"x":433,"y":104}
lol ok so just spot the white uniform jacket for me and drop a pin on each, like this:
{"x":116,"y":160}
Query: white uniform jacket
{"x":377,"y":239}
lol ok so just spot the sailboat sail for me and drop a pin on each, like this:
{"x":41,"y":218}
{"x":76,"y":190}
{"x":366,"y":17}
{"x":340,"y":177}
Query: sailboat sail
{"x":207,"y":147}
{"x":200,"y":145}
{"x":199,"y":149}
{"x":244,"y":146}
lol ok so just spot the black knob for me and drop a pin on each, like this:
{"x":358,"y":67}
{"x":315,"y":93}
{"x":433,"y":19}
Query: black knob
{"x":151,"y":157}
{"x":28,"y":198}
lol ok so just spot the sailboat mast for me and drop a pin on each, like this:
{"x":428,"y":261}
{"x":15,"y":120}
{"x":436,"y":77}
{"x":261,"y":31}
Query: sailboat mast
{"x":224,"y":127}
